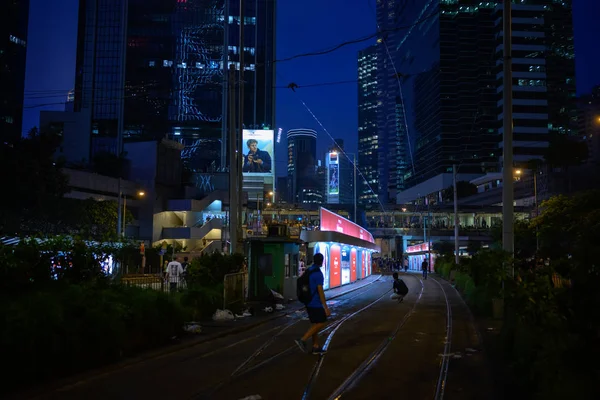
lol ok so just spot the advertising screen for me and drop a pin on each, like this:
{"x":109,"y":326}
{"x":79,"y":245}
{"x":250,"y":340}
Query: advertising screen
{"x":335,"y":260}
{"x":334,"y":179}
{"x":323,"y":248}
{"x":363,"y":264}
{"x":330,"y":221}
{"x":353,"y":276}
{"x":258,"y":152}
{"x":345,"y":265}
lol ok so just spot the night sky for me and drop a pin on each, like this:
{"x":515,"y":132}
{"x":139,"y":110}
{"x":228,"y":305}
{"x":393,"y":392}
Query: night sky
{"x":309,"y":25}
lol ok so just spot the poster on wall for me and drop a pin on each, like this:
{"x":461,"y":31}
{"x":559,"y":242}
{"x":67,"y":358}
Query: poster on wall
{"x":353,"y":265}
{"x":345,"y":265}
{"x":323,"y":248}
{"x":258,"y":152}
{"x":335,"y":260}
{"x":363,"y":264}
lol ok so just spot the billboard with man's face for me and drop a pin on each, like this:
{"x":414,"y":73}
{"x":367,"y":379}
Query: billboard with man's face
{"x":258,"y":152}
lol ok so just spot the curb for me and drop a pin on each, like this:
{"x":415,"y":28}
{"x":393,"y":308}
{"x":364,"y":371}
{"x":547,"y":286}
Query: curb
{"x":94,"y":373}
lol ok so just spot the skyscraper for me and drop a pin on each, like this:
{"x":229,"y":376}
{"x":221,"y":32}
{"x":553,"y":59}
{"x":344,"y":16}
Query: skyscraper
{"x":437,"y":90}
{"x":368,"y":143}
{"x":14,"y":20}
{"x":543,"y":64}
{"x":150,"y":69}
{"x":302,"y":184}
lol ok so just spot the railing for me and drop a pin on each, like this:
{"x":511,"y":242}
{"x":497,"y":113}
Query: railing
{"x":153,"y":281}
{"x":235,"y":289}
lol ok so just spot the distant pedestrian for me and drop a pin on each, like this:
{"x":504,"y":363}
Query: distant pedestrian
{"x":406,"y":264}
{"x":310,"y":292}
{"x":174,"y":274}
{"x":425,"y":268}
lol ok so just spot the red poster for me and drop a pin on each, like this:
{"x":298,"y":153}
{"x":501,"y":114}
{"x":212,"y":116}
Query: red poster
{"x":363,"y":265}
{"x":353,"y":265}
{"x":335,"y":261}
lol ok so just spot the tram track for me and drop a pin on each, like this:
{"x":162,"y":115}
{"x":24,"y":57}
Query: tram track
{"x":248,"y":366}
{"x":368,"y":363}
{"x":445,"y":361}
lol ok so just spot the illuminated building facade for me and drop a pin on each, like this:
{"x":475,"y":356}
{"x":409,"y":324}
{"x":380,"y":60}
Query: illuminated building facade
{"x":155,"y":69}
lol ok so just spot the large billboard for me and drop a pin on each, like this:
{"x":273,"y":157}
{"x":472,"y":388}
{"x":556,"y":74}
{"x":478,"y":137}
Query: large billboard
{"x":258,"y":149}
{"x":334,"y":179}
{"x":330,"y":221}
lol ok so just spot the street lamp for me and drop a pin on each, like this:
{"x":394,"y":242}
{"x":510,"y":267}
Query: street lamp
{"x":272,"y":193}
{"x":122,"y":213}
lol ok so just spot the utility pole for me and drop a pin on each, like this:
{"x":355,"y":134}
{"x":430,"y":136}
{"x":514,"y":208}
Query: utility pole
{"x":354,"y":163}
{"x":239,"y":158}
{"x":456,"y":221}
{"x":119,"y":215}
{"x":233,"y":165}
{"x":508,"y":239}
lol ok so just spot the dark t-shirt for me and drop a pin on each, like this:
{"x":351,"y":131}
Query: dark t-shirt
{"x":400,"y":287}
{"x":315,"y":279}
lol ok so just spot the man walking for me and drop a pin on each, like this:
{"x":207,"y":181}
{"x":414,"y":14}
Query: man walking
{"x":425,"y":268}
{"x":174,"y":274}
{"x":317,"y":306}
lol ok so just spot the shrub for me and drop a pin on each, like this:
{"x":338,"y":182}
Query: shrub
{"x":70,"y":328}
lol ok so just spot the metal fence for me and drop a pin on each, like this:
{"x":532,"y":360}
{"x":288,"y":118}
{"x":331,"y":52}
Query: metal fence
{"x":235,"y":289}
{"x":153,"y":281}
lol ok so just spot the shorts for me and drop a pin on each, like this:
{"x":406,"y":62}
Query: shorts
{"x":397,"y":296}
{"x":316,"y":315}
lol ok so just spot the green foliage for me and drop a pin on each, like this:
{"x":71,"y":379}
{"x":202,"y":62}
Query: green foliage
{"x":28,"y":265}
{"x":525,"y":238}
{"x":463,"y":189}
{"x":550,"y":334}
{"x":35,"y":180}
{"x":58,"y":322}
{"x":56,"y":332}
{"x":205,"y":276}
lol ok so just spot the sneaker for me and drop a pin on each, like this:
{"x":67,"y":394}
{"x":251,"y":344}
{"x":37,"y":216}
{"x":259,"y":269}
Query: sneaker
{"x":301,"y":345}
{"x":318,"y":350}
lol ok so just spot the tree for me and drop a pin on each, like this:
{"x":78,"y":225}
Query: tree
{"x":463,"y":188}
{"x":109,"y":164}
{"x":94,"y":219}
{"x":565,"y":152}
{"x":33,"y":182}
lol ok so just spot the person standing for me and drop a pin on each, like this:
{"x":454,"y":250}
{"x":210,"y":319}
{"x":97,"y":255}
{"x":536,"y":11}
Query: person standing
{"x":425,"y":268}
{"x":316,"y":307}
{"x":174,"y":274}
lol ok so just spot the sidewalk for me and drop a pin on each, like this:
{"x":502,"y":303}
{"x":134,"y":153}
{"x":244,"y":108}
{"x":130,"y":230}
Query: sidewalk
{"x":214,"y":329}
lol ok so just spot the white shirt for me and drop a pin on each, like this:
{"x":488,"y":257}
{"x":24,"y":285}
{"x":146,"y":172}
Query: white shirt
{"x":174,"y":270}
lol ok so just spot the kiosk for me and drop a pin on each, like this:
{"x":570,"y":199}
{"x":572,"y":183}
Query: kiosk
{"x":346,"y":247}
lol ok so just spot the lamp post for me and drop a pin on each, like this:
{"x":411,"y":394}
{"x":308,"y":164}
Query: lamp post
{"x":123,"y":212}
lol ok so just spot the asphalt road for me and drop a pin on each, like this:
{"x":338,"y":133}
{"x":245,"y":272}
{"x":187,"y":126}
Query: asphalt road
{"x":390,"y":350}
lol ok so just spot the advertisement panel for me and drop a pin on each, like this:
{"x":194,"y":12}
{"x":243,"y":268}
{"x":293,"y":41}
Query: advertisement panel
{"x":258,"y":152}
{"x":353,"y":276}
{"x":334,"y":179}
{"x":330,"y":221}
{"x":345,"y":265}
{"x":335,"y":259}
{"x":363,"y":264}
{"x":323,"y":248}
